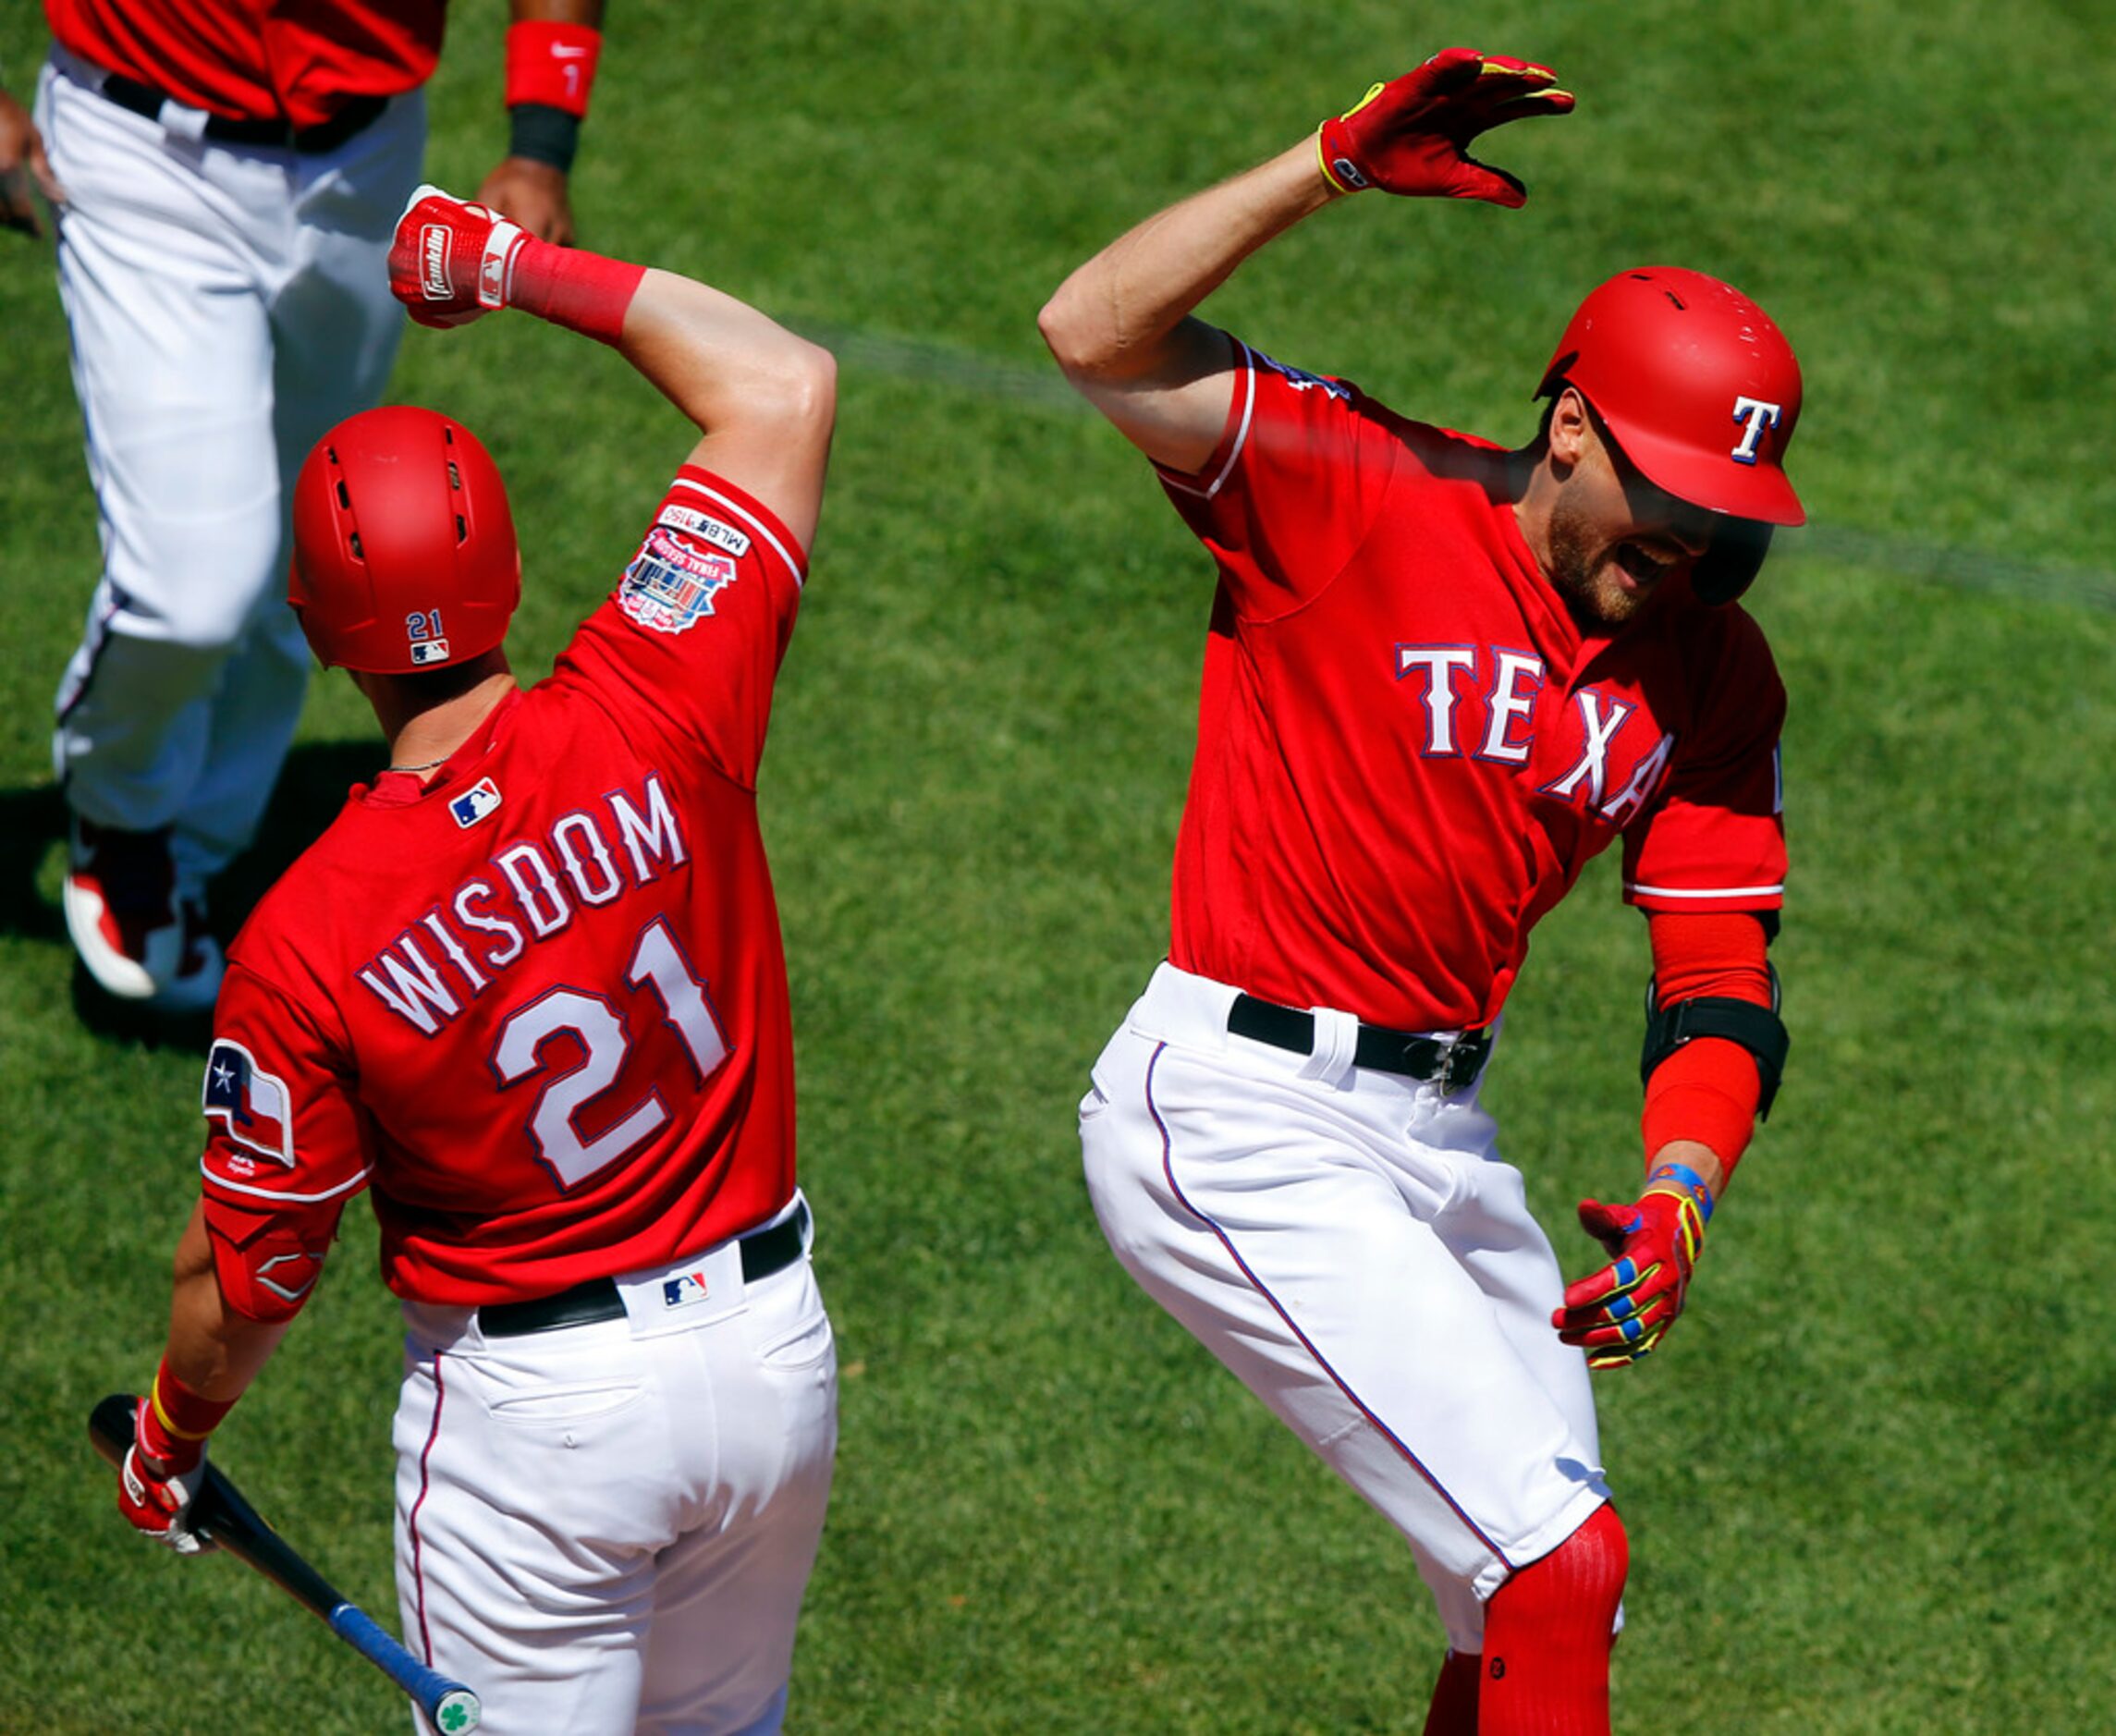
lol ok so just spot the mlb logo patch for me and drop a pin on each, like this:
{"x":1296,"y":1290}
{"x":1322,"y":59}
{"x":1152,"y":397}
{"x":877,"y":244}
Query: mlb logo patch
{"x":684,"y":1288}
{"x":479,"y":801}
{"x":669,"y":586}
{"x":429,"y":650}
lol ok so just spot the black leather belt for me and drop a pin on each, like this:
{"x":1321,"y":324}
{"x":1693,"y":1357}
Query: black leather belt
{"x":359,"y":113}
{"x":1449,"y":1062}
{"x":764,"y":1252}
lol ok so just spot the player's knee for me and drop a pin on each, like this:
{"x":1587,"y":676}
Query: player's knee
{"x":205,"y":595}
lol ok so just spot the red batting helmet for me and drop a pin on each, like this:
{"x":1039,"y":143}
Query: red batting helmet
{"x":1698,"y":386}
{"x":404,"y":550}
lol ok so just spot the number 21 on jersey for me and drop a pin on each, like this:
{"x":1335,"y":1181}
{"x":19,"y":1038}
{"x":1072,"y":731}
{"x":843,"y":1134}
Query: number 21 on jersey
{"x":657,"y":965}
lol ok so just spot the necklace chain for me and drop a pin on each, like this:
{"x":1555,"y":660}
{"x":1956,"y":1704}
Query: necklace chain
{"x":429,"y":765}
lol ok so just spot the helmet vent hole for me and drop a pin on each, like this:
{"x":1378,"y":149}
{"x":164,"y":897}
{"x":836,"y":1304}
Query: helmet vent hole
{"x":1677,"y":300}
{"x":357,"y":552}
{"x":345,"y":500}
{"x":455,"y":477}
{"x":462,"y":529}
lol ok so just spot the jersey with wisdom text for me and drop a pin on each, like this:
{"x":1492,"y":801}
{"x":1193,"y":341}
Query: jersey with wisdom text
{"x":1407,"y":750}
{"x":538,"y":1006}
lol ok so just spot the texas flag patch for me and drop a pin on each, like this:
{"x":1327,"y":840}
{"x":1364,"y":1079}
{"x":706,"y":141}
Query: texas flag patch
{"x":251,"y":1103}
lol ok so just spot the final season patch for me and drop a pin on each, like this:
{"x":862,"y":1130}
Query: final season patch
{"x":669,"y":586}
{"x":251,"y":1103}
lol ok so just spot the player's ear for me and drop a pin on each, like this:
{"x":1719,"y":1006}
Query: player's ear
{"x":1572,"y":428}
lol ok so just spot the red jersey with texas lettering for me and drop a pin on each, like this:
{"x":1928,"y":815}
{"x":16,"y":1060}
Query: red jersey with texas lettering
{"x":258,"y":59}
{"x":538,"y":1006}
{"x":1407,"y":750}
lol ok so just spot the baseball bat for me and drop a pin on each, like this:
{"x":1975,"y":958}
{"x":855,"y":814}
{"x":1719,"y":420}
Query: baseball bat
{"x":219,"y":1511}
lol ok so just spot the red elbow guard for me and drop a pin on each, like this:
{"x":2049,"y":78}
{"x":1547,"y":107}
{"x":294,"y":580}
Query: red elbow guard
{"x":553,"y":64}
{"x":268,"y":1263}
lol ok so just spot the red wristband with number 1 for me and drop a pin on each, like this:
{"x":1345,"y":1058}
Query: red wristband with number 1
{"x":551,"y":63}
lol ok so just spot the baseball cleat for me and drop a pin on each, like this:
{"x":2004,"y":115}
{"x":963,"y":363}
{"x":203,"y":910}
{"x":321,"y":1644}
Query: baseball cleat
{"x":139,"y":938}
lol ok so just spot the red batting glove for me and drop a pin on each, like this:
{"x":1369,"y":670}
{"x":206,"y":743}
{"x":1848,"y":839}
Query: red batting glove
{"x":450,"y":261}
{"x":1620,"y":1314}
{"x":158,"y":1482}
{"x":1412,"y":135}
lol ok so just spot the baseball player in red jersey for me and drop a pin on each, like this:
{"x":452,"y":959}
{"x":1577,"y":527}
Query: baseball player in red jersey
{"x":226,"y":175}
{"x":1440,"y":677}
{"x":528,"y":992}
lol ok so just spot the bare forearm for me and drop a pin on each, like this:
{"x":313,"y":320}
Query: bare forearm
{"x":716,"y":359}
{"x":1120,"y":315}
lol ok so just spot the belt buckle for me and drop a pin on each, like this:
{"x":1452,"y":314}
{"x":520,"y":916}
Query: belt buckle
{"x":1459,"y":1065}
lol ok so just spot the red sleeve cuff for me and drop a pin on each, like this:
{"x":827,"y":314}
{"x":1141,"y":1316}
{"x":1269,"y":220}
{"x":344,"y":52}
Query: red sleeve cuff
{"x":1707,"y":1091}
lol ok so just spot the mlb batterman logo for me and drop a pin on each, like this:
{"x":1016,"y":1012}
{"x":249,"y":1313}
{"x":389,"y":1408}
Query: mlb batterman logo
{"x":480,"y":800}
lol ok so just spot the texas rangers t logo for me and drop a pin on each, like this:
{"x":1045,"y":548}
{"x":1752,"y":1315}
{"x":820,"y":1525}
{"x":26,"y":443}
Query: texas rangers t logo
{"x":1754,"y":415}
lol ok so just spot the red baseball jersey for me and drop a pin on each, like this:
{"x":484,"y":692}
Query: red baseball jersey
{"x":538,"y":1006}
{"x":258,"y":59}
{"x":1407,"y":750}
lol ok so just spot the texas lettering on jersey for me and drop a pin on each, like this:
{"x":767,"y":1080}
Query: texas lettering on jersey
{"x":530,"y":891}
{"x":1481,"y":702}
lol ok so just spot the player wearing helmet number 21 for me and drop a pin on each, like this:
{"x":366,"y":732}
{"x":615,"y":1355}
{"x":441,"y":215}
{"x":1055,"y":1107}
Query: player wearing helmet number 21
{"x":1441,"y":676}
{"x":528,"y":992}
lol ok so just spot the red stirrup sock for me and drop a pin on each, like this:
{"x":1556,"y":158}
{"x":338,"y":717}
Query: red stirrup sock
{"x":1454,"y":1708}
{"x":583,"y":292}
{"x":1546,"y":1637}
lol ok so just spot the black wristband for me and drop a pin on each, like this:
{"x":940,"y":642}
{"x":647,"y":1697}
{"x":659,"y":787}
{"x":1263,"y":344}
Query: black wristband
{"x":543,"y":134}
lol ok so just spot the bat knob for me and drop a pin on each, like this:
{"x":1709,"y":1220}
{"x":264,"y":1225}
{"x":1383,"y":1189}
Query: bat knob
{"x":457,"y":1711}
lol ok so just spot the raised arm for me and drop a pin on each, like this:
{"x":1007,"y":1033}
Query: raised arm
{"x":763,"y":399}
{"x":552,"y":50}
{"x":1120,"y":326}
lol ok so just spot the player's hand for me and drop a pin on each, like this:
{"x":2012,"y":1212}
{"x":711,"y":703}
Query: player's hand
{"x":1412,"y":135}
{"x":1621,"y":1312}
{"x":533,"y":194}
{"x":158,"y":1482}
{"x":24,"y":169}
{"x":450,"y":260}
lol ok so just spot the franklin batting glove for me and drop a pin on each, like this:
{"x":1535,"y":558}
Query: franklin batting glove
{"x":450,"y":262}
{"x":1620,"y":1314}
{"x":158,"y":1482}
{"x":1412,"y":135}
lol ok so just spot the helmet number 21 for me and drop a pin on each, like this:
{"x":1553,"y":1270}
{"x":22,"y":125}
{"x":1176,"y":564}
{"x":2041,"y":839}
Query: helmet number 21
{"x":658,"y":964}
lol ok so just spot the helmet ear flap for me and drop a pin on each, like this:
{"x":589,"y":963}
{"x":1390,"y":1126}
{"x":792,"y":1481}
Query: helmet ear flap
{"x":1730,"y":565}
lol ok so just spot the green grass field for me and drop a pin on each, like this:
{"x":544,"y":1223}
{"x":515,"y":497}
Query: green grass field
{"x":1870,"y":1480}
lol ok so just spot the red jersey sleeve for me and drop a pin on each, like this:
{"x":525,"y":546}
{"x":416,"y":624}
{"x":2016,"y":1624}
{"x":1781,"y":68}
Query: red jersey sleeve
{"x":688,"y":646}
{"x":1294,"y":487}
{"x":1714,"y":841}
{"x":283,"y":1133}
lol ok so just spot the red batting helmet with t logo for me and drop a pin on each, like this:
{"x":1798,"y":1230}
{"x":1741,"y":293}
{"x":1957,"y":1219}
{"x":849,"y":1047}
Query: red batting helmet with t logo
{"x":404,"y":550}
{"x":1700,"y":390}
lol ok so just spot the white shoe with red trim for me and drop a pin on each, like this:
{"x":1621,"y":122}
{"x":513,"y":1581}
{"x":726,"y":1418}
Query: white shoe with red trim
{"x":139,"y":936}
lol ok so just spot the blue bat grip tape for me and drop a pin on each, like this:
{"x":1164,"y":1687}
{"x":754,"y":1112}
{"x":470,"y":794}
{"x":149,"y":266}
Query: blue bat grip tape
{"x":453,"y":1708}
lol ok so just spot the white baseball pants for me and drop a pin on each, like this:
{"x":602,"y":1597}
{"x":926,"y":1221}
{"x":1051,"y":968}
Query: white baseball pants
{"x":228,"y":305}
{"x":1349,"y":1243}
{"x":609,"y":1528}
